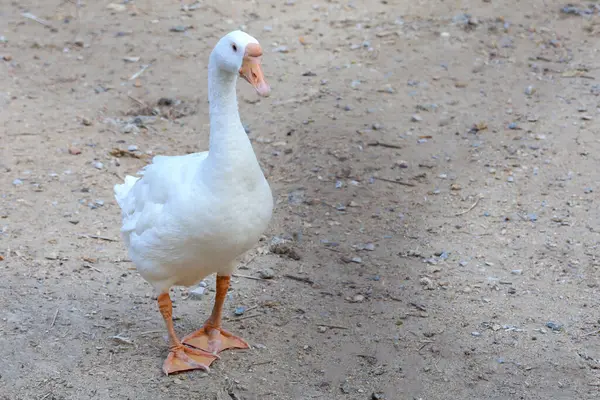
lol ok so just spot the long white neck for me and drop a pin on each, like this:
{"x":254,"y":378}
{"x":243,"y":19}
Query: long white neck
{"x":230,"y":148}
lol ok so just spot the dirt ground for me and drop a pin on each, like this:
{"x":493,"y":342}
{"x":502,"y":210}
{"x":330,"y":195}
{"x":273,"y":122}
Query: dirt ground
{"x":435,"y":173}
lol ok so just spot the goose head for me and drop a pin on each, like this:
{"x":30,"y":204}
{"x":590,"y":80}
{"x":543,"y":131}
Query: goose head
{"x":238,"y":53}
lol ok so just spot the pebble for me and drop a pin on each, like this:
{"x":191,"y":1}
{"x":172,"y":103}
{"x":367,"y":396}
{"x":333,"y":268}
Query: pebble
{"x":416,"y":118}
{"x":516,"y":271}
{"x":86,"y":121}
{"x":322,"y":329}
{"x":130,"y":128}
{"x":179,"y":28}
{"x":197,"y":293}
{"x":427,"y":107}
{"x":98,"y":165}
{"x":266,"y":273}
{"x":401,"y":164}
{"x":529,"y":90}
{"x":132,"y":147}
{"x":17,"y":182}
{"x":359,"y":298}
{"x":377,"y":396}
{"x":116,"y":7}
{"x":386,"y":89}
{"x":281,"y":49}
{"x":555,"y":326}
{"x":239,"y":311}
{"x":427,"y":283}
{"x":475,"y":334}
{"x":367,"y":247}
{"x":296,"y":197}
{"x":74,"y":151}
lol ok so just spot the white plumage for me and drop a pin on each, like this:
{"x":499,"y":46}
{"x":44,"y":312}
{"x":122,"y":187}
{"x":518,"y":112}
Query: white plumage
{"x":190,"y":216}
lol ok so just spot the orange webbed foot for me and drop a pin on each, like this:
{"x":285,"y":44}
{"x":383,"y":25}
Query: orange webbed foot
{"x":214,"y":340}
{"x":183,"y":358}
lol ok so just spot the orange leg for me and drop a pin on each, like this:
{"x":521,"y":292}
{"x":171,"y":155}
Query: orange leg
{"x":212,"y":337}
{"x":180,"y":358}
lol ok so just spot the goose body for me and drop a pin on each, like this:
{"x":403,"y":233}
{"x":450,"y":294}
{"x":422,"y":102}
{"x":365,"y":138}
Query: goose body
{"x":183,"y":220}
{"x":190,"y":216}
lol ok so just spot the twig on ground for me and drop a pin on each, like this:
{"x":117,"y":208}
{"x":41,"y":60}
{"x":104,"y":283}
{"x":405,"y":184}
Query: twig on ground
{"x":38,"y":20}
{"x":300,"y":279}
{"x":382,"y":144}
{"x":468,"y":209}
{"x":251,"y":277}
{"x":54,"y":319}
{"x":333,"y":326}
{"x":97,"y":237}
{"x":397,"y":182}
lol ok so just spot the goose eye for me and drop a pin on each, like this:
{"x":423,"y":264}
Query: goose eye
{"x":234,"y":47}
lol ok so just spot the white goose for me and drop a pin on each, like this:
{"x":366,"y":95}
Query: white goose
{"x":191,"y":216}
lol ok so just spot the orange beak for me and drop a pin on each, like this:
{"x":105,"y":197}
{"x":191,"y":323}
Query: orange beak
{"x":251,"y":70}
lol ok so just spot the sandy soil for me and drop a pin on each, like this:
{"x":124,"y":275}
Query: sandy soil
{"x":475,"y":277}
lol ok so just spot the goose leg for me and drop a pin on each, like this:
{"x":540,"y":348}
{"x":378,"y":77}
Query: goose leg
{"x":180,"y":358}
{"x":212,"y":337}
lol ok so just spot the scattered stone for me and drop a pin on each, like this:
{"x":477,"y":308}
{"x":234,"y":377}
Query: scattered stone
{"x":17,"y":182}
{"x":281,"y":49}
{"x":386,"y":89}
{"x":367,"y":247}
{"x":86,"y":121}
{"x":197,"y":293}
{"x":427,"y":283}
{"x":573,"y":10}
{"x":179,"y":28}
{"x":130,"y":128}
{"x":239,"y":311}
{"x":74,"y":151}
{"x":132,"y":147}
{"x":98,"y":165}
{"x":266,"y":273}
{"x":401,"y":164}
{"x":475,"y":334}
{"x":322,"y":329}
{"x":116,"y":7}
{"x":359,"y":298}
{"x":427,"y":107}
{"x":555,"y":326}
{"x":416,"y":118}
{"x":283,"y":247}
{"x":529,"y":90}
